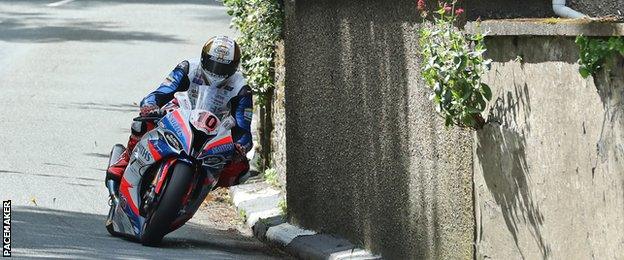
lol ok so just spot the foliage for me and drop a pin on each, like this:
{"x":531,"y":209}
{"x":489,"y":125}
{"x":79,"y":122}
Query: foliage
{"x":260,"y":24}
{"x":594,"y":51}
{"x":270,"y":176}
{"x":452,"y":67}
{"x":283,"y":207}
{"x":242,"y":214}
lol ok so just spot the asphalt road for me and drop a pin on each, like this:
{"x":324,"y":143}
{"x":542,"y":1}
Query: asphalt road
{"x":71,"y":74}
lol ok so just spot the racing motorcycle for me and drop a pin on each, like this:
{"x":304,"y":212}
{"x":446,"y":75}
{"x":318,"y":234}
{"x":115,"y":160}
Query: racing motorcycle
{"x":171,"y":170}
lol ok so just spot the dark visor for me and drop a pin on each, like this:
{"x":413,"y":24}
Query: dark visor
{"x":218,"y":68}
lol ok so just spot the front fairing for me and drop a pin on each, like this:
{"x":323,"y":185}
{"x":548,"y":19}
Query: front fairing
{"x":175,"y":126}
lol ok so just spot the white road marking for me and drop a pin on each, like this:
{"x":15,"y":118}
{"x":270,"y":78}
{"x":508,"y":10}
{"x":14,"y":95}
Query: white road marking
{"x":59,"y":3}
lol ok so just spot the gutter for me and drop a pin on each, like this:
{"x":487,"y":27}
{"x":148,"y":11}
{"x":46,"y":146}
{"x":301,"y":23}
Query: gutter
{"x":560,"y":8}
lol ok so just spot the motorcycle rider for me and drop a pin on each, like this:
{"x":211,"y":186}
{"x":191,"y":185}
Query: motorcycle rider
{"x":218,"y":68}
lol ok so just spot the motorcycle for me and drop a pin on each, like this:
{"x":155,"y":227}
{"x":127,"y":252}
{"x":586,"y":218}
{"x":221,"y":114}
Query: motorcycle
{"x":171,"y":170}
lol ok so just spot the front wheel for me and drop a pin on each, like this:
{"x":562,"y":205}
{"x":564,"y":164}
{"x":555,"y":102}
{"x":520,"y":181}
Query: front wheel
{"x":169,"y":206}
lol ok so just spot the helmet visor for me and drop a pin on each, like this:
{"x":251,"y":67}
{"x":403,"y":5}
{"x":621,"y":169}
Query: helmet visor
{"x":218,"y":68}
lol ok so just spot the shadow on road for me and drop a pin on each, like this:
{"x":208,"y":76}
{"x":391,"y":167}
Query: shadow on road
{"x":23,"y":30}
{"x":99,"y":106}
{"x":43,"y":232}
{"x":90,"y":2}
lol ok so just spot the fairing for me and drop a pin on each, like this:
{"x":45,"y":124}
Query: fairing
{"x":160,"y":150}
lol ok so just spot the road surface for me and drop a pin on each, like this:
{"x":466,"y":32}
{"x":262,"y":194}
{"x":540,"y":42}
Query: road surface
{"x":71,"y":75}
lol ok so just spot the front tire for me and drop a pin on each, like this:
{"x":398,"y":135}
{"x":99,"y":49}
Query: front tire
{"x":169,"y":206}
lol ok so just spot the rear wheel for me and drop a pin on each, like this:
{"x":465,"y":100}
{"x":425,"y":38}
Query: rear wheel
{"x":169,"y":205}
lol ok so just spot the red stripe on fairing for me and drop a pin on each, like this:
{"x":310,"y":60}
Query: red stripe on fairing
{"x":153,"y":151}
{"x":187,"y":133}
{"x":125,"y":190}
{"x":222,"y":141}
{"x":163,"y":174}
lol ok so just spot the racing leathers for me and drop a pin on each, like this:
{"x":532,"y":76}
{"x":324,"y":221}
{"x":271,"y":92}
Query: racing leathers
{"x":232,"y":97}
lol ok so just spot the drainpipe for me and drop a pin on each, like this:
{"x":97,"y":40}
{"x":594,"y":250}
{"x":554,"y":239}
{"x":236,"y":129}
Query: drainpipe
{"x":560,"y":8}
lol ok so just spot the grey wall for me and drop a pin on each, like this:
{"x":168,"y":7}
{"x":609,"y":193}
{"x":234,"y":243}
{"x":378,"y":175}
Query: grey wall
{"x":507,"y":9}
{"x":498,"y":9}
{"x":368,"y":158}
{"x":549,"y":169}
{"x":598,"y":8}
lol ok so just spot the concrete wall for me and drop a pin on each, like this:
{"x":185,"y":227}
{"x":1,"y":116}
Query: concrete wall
{"x":598,"y":8}
{"x":498,"y":9}
{"x":549,"y":168}
{"x":368,"y":159}
{"x":507,"y":9}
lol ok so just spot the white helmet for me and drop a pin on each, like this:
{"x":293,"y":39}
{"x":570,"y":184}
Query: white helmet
{"x":219,"y":59}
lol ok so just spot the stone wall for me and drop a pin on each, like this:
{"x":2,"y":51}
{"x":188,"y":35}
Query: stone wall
{"x":549,"y":168}
{"x":368,"y":159}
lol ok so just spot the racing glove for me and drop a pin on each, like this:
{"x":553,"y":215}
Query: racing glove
{"x":149,"y":110}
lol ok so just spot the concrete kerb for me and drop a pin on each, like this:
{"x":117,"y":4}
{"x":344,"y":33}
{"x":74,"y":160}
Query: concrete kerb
{"x":259,"y":202}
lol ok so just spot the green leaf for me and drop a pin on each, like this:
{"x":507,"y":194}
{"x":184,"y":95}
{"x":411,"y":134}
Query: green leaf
{"x":468,"y":120}
{"x":584,"y":72}
{"x":448,"y":121}
{"x":486,"y":91}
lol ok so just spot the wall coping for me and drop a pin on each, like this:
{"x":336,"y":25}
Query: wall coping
{"x":547,"y":27}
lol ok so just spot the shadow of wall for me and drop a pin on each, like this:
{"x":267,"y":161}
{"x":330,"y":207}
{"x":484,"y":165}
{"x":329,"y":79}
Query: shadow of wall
{"x":548,"y":170}
{"x":367,"y":157}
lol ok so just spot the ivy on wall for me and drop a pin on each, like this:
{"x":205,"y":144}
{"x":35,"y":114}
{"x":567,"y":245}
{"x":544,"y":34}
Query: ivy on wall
{"x":452,"y":66}
{"x":595,"y":51}
{"x":260,"y":24}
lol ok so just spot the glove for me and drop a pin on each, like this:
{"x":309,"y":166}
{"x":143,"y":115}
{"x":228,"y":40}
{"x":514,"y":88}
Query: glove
{"x":149,"y":110}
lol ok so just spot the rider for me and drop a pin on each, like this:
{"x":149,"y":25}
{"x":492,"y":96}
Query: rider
{"x":217,"y":68}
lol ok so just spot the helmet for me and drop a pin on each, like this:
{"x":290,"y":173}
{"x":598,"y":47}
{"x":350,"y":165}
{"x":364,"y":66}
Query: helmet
{"x":219,"y":59}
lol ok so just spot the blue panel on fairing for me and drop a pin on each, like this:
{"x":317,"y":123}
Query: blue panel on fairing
{"x":178,"y":127}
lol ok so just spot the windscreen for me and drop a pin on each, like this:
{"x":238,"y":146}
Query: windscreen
{"x":203,"y":98}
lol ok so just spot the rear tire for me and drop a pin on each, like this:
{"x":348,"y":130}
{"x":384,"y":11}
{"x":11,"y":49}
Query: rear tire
{"x":167,"y":210}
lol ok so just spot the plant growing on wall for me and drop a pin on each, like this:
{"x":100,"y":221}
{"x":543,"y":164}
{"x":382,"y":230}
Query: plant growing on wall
{"x":452,"y":66}
{"x":593,"y":52}
{"x":260,"y":24}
